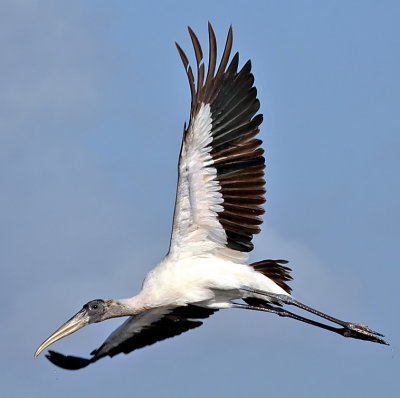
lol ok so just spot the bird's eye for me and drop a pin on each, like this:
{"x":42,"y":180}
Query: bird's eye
{"x":95,"y":307}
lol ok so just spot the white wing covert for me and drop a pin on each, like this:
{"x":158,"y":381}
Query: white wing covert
{"x":221,"y":179}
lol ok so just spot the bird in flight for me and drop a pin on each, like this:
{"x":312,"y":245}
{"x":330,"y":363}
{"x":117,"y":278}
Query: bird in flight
{"x":218,"y":209}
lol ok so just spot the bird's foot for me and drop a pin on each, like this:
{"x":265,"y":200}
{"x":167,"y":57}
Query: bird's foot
{"x":362,"y":332}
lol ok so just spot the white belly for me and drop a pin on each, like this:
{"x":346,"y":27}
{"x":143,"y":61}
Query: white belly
{"x":208,"y":281}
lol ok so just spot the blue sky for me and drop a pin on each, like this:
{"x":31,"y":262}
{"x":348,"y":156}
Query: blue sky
{"x":93,"y":98}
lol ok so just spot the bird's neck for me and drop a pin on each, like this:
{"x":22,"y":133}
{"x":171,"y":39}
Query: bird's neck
{"x":125,"y":307}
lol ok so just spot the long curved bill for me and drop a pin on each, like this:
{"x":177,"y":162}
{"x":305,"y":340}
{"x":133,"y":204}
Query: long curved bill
{"x":77,"y":322}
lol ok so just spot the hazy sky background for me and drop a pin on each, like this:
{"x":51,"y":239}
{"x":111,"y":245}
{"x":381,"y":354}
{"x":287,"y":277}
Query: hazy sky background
{"x":93,"y":98}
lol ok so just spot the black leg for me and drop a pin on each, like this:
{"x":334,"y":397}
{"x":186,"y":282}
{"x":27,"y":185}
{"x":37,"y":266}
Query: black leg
{"x":349,"y":329}
{"x":288,"y":314}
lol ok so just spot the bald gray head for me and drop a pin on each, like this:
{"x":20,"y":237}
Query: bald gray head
{"x":92,"y":312}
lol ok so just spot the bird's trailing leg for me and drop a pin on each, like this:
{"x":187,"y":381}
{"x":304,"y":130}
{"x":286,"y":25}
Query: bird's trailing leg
{"x":284,"y":313}
{"x":348,"y":329}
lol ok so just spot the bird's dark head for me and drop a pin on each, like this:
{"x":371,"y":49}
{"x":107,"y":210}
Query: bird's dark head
{"x":95,"y":310}
{"x":92,"y":312}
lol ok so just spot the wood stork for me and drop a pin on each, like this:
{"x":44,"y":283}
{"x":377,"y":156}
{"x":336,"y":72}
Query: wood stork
{"x":218,"y":209}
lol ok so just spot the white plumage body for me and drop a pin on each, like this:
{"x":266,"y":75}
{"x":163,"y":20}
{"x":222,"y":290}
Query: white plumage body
{"x":207,"y":281}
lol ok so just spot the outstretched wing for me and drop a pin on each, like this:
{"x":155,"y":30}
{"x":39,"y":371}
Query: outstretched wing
{"x":221,"y":179}
{"x":137,"y":332}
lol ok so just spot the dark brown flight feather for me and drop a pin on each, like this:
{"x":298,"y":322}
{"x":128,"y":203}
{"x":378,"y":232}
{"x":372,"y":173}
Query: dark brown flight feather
{"x":274,"y":270}
{"x":236,"y":152}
